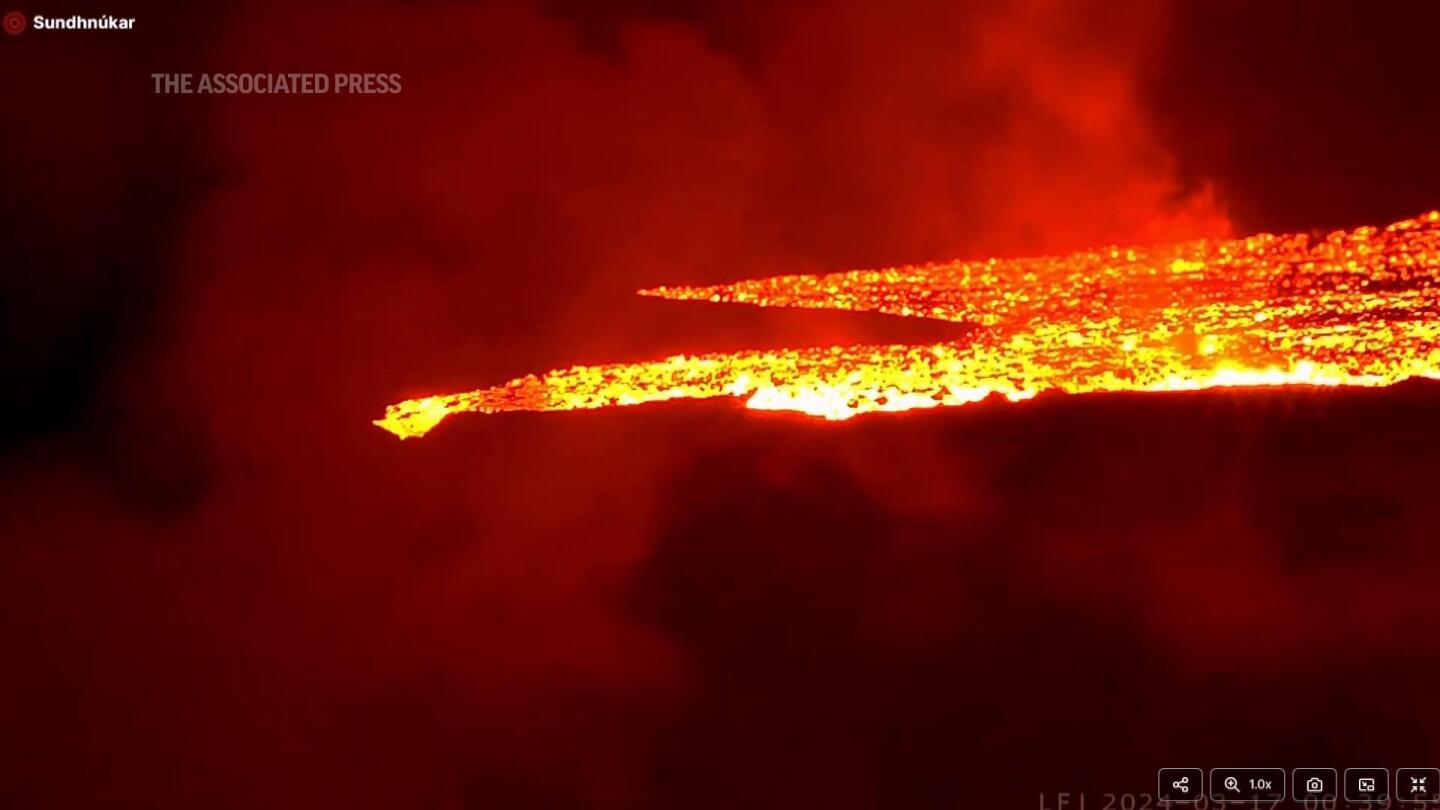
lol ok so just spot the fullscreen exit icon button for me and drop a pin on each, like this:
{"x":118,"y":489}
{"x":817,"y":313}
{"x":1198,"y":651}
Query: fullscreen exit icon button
{"x":1417,"y":785}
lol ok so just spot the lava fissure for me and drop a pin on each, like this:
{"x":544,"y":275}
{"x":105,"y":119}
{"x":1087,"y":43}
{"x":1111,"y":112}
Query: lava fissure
{"x":1359,"y":307}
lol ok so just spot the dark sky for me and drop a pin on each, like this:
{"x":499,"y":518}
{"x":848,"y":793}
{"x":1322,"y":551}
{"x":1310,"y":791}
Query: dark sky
{"x":220,"y":586}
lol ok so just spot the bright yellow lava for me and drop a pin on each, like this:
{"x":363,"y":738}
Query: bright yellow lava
{"x":1357,"y":307}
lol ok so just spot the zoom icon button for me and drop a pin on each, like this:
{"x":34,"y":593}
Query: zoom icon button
{"x":1247,"y":784}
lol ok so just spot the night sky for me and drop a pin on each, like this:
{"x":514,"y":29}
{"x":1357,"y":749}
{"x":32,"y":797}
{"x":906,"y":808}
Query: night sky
{"x":222,"y":587}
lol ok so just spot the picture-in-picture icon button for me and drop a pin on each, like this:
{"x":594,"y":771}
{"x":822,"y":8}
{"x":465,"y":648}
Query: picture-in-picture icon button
{"x":1417,"y":785}
{"x":1315,"y":785}
{"x":1367,"y":785}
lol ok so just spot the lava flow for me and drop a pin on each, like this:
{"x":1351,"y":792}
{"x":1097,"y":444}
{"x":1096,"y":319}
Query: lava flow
{"x":1357,"y":307}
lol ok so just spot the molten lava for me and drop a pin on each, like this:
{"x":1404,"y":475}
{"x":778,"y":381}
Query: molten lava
{"x":1357,"y":307}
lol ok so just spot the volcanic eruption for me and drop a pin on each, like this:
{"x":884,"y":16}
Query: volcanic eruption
{"x":1358,"y":307}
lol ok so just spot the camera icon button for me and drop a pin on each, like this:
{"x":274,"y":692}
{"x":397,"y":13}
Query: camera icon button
{"x":1315,"y":784}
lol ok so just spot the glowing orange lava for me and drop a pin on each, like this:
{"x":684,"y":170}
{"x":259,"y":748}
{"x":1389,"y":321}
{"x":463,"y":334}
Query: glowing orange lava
{"x":1357,"y":307}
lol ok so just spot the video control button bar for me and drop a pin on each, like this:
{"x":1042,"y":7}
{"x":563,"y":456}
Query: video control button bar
{"x":1247,"y":784}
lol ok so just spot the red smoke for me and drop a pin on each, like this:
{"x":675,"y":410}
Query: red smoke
{"x":228,"y":589}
